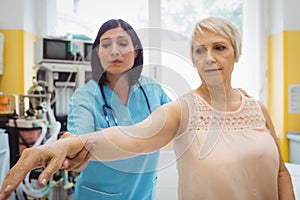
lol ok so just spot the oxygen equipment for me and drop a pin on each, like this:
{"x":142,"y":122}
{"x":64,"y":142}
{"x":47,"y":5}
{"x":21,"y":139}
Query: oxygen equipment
{"x":62,"y":65}
{"x":35,"y":125}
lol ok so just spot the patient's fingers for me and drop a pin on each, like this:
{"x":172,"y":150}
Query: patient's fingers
{"x":17,"y":173}
{"x":49,"y":170}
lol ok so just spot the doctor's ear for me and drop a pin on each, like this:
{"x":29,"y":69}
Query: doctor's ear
{"x":135,"y":52}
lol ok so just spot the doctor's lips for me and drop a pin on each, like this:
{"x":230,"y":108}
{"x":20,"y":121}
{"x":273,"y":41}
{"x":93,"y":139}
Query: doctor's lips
{"x":116,"y":61}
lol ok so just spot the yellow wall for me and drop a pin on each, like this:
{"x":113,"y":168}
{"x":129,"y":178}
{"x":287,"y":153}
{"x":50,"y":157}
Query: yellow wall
{"x":12,"y":82}
{"x":18,"y":56}
{"x":292,"y":73}
{"x":276,"y":86}
{"x":284,"y":69}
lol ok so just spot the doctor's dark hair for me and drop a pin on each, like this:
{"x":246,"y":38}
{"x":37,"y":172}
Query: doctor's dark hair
{"x":134,"y":73}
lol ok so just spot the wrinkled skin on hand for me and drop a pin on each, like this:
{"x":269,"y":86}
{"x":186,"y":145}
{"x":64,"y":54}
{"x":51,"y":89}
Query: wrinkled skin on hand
{"x":68,"y":153}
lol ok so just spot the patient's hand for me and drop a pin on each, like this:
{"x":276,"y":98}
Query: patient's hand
{"x":52,"y":156}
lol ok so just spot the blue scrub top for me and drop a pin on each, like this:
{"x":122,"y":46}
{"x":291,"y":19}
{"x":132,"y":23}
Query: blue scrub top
{"x":127,"y":179}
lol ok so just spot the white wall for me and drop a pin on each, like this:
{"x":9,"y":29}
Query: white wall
{"x":291,"y":14}
{"x":11,"y":14}
{"x":283,"y":15}
{"x":35,"y":16}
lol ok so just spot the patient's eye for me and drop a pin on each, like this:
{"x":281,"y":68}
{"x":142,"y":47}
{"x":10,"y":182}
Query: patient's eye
{"x":219,"y":47}
{"x":199,"y":50}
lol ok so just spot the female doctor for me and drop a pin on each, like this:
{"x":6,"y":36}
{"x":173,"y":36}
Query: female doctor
{"x":117,"y":95}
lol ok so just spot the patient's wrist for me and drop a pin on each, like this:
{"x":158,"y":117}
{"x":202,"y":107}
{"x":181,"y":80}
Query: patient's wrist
{"x":73,"y":143}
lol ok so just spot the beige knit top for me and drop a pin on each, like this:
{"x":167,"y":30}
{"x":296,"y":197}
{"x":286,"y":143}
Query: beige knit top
{"x":226,"y":155}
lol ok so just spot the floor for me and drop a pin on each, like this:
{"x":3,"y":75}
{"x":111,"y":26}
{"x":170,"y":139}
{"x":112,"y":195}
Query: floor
{"x":167,"y":176}
{"x":294,"y":170}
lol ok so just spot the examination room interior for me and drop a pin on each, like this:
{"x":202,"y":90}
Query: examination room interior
{"x":268,"y":69}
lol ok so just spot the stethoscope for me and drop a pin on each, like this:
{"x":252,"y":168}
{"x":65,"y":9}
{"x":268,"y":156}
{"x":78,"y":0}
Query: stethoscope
{"x":106,"y":107}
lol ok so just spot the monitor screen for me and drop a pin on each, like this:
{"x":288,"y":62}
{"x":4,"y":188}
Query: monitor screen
{"x":88,"y":51}
{"x":55,"y":49}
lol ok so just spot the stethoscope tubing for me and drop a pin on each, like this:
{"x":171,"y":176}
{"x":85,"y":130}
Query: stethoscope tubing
{"x":106,"y":107}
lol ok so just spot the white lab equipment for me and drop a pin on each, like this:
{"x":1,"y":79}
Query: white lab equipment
{"x":31,"y":129}
{"x":62,"y":79}
{"x":62,"y":65}
{"x":62,"y":50}
{"x":4,"y":155}
{"x":4,"y":158}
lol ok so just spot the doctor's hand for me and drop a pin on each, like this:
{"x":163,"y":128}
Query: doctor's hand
{"x":51,"y":157}
{"x":80,"y":161}
{"x":244,"y":92}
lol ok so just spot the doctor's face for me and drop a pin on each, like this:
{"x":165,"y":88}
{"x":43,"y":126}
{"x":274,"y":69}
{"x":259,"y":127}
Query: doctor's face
{"x":116,"y":51}
{"x":214,"y":57}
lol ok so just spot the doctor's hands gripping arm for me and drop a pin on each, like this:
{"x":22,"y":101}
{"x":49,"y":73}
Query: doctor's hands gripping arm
{"x":81,"y":120}
{"x":80,"y":161}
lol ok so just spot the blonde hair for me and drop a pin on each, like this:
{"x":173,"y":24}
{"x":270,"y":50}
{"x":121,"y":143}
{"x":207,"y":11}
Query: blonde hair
{"x":223,"y":27}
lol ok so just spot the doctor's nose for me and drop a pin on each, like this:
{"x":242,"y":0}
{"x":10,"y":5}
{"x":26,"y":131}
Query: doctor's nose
{"x":115,"y":51}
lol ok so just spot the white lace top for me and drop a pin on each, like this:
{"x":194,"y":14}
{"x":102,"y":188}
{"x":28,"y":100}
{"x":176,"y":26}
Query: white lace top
{"x":226,"y":155}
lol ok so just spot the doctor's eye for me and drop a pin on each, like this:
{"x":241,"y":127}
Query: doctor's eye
{"x":105,"y":44}
{"x":123,"y":43}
